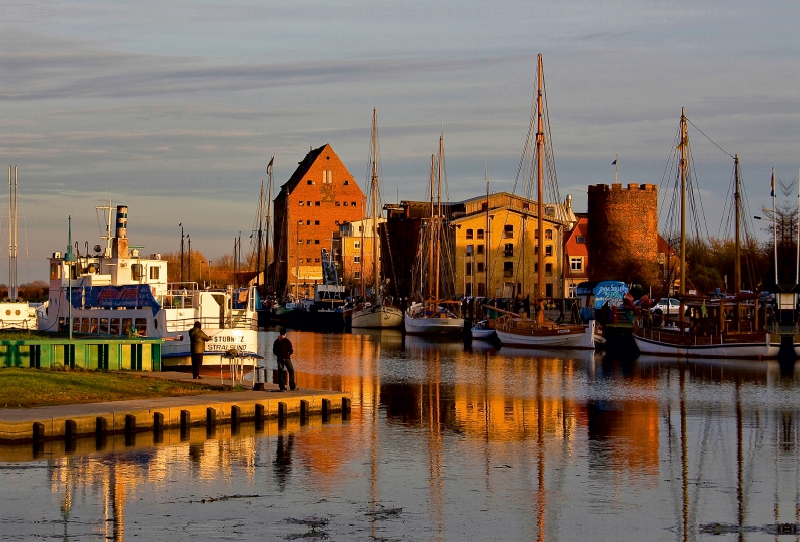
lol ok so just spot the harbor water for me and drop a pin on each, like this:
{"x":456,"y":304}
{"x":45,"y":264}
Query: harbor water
{"x":447,"y":441}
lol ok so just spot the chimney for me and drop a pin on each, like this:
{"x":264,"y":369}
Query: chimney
{"x":120,"y":246}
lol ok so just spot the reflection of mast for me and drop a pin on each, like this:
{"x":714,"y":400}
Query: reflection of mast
{"x":541,"y":493}
{"x":435,"y":440}
{"x":684,"y":456}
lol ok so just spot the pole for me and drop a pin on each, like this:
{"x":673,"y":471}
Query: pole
{"x":540,"y":174}
{"x":616,"y":168}
{"x":774,"y":227}
{"x":181,"y":225}
{"x":189,"y":274}
{"x":69,"y":257}
{"x":737,"y":262}
{"x":488,"y":239}
{"x":375,"y":278}
{"x":683,"y":166}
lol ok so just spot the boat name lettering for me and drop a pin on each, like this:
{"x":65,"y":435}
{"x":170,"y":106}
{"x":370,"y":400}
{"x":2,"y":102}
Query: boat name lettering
{"x":229,"y":339}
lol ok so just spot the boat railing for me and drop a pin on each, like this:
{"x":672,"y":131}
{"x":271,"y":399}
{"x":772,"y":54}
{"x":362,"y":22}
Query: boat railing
{"x":234,"y":321}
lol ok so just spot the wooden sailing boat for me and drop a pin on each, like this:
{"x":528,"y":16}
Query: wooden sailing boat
{"x":716,"y":328}
{"x":428,"y":314}
{"x":513,"y":330}
{"x":379,"y":313}
{"x":483,"y":330}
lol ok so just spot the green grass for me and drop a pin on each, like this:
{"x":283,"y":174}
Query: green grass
{"x":22,"y":387}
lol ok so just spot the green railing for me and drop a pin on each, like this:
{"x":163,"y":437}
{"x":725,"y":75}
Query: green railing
{"x":96,"y":353}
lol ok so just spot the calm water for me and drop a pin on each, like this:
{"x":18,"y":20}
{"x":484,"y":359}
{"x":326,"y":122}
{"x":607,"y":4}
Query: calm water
{"x":448,"y":443}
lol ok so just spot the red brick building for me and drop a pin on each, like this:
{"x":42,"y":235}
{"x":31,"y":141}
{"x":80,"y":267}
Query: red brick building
{"x":320,"y":195}
{"x":576,"y":255}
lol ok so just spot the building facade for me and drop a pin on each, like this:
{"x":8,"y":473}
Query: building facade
{"x":576,"y":256}
{"x":353,"y":253}
{"x":319,"y":196}
{"x":497,"y":245}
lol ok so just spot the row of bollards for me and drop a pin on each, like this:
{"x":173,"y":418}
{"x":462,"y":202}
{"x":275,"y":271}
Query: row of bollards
{"x":186,"y":421}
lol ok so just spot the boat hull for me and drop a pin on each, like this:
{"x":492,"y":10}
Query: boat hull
{"x":433,"y":325}
{"x":658,"y":344}
{"x":483,"y":334}
{"x":377,"y":316}
{"x":571,"y":337}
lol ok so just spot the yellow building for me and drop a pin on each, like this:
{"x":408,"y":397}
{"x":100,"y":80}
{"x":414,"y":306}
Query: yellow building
{"x":497,"y":247}
{"x":353,"y":254}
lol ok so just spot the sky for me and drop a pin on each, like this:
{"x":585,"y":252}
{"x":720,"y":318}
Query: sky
{"x":174,"y":108}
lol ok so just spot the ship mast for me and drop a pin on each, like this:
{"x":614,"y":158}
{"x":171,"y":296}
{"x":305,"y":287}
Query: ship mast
{"x":540,"y":176}
{"x":374,"y":190}
{"x":684,"y":141}
{"x":737,"y":268}
{"x":269,"y":223}
{"x":438,"y":259}
{"x":429,"y":281}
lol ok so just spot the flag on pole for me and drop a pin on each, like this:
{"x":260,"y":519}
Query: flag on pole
{"x":614,"y":162}
{"x":772,"y":185}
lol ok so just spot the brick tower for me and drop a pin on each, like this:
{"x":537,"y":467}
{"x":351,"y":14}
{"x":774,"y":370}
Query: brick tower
{"x":623,"y":233}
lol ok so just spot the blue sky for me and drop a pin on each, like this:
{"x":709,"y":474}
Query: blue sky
{"x":174,"y":108}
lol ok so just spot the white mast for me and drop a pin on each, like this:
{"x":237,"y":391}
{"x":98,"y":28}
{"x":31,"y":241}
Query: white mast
{"x":13,"y":218}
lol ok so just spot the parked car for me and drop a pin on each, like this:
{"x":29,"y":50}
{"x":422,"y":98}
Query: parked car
{"x":668,"y":306}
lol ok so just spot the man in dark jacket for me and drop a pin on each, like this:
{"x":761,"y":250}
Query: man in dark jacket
{"x":282,"y":348}
{"x":197,"y":339}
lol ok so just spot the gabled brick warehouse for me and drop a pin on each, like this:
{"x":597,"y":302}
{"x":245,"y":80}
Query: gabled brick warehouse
{"x":320,"y":195}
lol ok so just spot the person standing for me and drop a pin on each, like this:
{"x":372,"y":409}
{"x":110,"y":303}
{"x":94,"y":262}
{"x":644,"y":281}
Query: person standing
{"x":282,"y":348}
{"x":197,"y":339}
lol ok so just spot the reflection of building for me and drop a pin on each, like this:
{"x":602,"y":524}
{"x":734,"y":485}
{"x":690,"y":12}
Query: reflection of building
{"x":352,"y":253}
{"x":319,"y":196}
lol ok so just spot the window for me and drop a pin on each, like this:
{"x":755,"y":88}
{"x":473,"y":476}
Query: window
{"x":327,"y":176}
{"x":353,"y":203}
{"x":308,"y":241}
{"x":356,"y":259}
{"x":337,"y":204}
{"x":126,"y":325}
{"x":468,"y":290}
{"x":469,"y":233}
{"x":469,"y":269}
{"x":481,"y":289}
{"x":357,"y":244}
{"x":469,"y":250}
{"x":308,"y":222}
{"x":308,"y":260}
{"x":536,"y":250}
{"x":301,"y":203}
{"x":548,"y":234}
{"x":480,"y":249}
{"x":573,"y":290}
{"x":526,"y":205}
{"x":316,"y":222}
{"x":548,"y":250}
{"x":536,"y":233}
{"x":346,"y":182}
{"x":508,"y":269}
{"x":576,"y":263}
{"x":581,"y":240}
{"x":509,"y":250}
{"x":508,"y":231}
{"x":154,"y":273}
{"x":535,"y":267}
{"x":480,"y":267}
{"x":55,"y":271}
{"x":548,"y":270}
{"x":480,"y":233}
{"x":548,"y":290}
{"x":551,"y":211}
{"x":316,"y":260}
{"x":345,"y":204}
{"x":308,"y":203}
{"x":356,"y":274}
{"x":316,"y":204}
{"x":484,"y":206}
{"x":316,"y":241}
{"x":104,"y":326}
{"x":310,"y":182}
{"x":114,"y":326}
{"x":141,"y":325}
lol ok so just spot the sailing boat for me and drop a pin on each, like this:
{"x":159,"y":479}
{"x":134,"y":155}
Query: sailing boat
{"x":14,"y":314}
{"x":380,"y":314}
{"x":483,"y":330}
{"x":427,"y":314}
{"x":717,"y":328}
{"x":511,"y":328}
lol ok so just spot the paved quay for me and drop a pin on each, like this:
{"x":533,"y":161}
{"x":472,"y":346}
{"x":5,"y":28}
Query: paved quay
{"x":68,"y":422}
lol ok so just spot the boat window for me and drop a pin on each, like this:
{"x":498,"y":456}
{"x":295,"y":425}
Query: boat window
{"x":526,"y":205}
{"x":55,"y":271}
{"x":480,"y":233}
{"x":137,"y":271}
{"x":114,"y":330}
{"x":508,"y":231}
{"x":93,"y":326}
{"x":141,"y":326}
{"x":103,"y":326}
{"x":469,"y":233}
{"x":84,"y":325}
{"x":337,"y":204}
{"x":508,"y":269}
{"x":126,"y":324}
{"x":154,"y":273}
{"x":76,"y":325}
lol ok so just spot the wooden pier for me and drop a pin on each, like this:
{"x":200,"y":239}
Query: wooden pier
{"x":99,"y":420}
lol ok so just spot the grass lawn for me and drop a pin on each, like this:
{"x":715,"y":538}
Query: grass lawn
{"x":22,"y":387}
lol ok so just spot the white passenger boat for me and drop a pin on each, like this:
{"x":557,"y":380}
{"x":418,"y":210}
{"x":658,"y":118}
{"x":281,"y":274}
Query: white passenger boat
{"x":118,"y":292}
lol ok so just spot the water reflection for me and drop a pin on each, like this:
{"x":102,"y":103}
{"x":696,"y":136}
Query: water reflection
{"x":451,"y":442}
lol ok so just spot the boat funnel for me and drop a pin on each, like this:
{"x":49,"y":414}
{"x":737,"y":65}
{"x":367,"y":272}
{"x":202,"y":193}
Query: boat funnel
{"x":120,"y":245}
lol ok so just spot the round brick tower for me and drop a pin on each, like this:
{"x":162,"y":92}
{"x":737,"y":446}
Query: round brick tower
{"x":623,"y":233}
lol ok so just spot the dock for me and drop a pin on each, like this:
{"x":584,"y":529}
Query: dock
{"x":69,"y":423}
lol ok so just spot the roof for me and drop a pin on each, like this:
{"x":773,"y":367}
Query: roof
{"x":302,"y":168}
